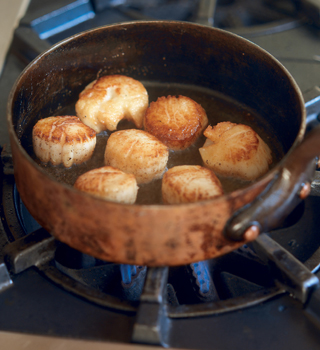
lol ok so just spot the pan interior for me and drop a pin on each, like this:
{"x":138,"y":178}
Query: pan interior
{"x":218,"y":107}
{"x":230,"y":77}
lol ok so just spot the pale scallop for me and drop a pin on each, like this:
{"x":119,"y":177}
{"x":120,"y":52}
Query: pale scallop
{"x":63,"y":140}
{"x":137,"y":152}
{"x":189,"y":183}
{"x":109,"y":99}
{"x":235,"y":150}
{"x":176,"y":121}
{"x":110,"y":184}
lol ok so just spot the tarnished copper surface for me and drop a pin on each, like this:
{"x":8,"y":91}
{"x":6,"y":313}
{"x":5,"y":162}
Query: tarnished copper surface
{"x":171,"y":52}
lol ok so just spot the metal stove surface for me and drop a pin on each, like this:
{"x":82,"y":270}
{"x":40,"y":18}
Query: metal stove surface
{"x":35,"y":301}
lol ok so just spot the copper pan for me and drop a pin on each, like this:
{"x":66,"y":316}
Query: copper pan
{"x":170,"y":52}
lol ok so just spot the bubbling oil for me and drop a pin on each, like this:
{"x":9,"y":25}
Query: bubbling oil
{"x":218,"y":107}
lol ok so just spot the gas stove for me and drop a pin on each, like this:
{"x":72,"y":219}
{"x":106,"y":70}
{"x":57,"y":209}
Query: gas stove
{"x":255,"y":297}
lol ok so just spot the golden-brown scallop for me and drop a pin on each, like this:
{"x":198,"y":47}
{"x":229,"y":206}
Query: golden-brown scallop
{"x":110,"y":184}
{"x":235,"y":150}
{"x":63,"y":139}
{"x":137,"y":152}
{"x":176,"y":121}
{"x":189,"y":183}
{"x":109,"y":99}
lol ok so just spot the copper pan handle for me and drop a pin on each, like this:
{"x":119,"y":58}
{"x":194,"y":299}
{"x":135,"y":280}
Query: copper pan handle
{"x":289,"y":187}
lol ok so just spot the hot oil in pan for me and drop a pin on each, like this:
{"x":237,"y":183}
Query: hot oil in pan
{"x":218,"y":107}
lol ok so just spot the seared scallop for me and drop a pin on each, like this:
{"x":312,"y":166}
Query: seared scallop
{"x":63,"y":139}
{"x":110,"y":184}
{"x":137,"y":152}
{"x":109,"y":99}
{"x":176,"y":121}
{"x":235,"y":150}
{"x":189,"y":183}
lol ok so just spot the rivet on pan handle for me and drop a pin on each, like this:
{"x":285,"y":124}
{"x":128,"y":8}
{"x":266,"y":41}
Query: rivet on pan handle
{"x":282,"y":195}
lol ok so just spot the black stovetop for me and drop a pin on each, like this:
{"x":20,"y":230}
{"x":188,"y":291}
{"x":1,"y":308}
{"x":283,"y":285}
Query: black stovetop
{"x":52,"y":296}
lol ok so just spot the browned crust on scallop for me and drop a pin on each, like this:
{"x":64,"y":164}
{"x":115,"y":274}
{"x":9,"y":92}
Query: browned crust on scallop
{"x":137,"y":152}
{"x":178,"y":184}
{"x":89,"y":180}
{"x":176,"y":121}
{"x":128,"y":99}
{"x":54,"y":129}
{"x":117,"y":81}
{"x":235,"y":150}
{"x":236,"y":154}
{"x":109,"y":183}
